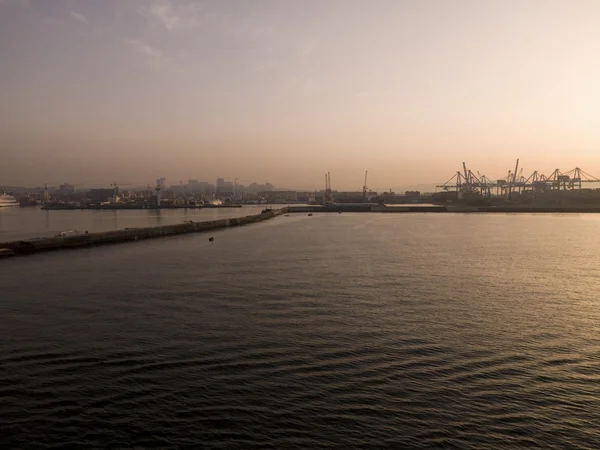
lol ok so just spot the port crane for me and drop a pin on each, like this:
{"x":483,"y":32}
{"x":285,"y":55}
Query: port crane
{"x":365,"y":188}
{"x":516,"y":183}
{"x":328,"y":196}
{"x":115,"y":187}
{"x":513,"y":180}
{"x":157,"y":189}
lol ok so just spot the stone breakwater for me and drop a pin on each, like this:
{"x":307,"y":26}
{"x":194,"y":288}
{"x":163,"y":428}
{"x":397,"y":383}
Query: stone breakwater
{"x":30,"y":246}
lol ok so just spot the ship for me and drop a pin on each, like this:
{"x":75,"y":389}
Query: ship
{"x":7,"y":200}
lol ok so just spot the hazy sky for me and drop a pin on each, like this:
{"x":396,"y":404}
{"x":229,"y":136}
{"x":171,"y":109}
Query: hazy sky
{"x":285,"y":90}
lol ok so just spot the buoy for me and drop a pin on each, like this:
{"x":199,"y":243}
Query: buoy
{"x":211,"y":239}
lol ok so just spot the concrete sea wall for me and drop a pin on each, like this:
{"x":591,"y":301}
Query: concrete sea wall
{"x":127,"y":235}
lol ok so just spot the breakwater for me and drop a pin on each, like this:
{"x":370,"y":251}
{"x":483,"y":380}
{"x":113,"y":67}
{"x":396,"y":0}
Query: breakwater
{"x":79,"y":240}
{"x":335,"y":208}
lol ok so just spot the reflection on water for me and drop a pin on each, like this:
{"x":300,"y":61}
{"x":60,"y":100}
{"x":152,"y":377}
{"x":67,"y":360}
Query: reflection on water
{"x":154,"y":216}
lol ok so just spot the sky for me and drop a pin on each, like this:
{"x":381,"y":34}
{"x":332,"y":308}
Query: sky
{"x":93,"y":92}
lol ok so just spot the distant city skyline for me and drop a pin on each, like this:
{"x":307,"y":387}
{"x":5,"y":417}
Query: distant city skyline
{"x":175,"y":182}
{"x":285,"y":91}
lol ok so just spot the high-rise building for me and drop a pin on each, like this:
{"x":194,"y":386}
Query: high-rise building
{"x":161,"y":183}
{"x":66,"y":189}
{"x":224,"y":189}
{"x":194,"y":186}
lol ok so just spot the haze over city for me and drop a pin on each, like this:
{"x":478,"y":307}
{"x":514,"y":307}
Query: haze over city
{"x":284,"y":91}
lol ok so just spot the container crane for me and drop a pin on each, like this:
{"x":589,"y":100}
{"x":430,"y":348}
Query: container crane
{"x":157,"y":189}
{"x":365,"y":188}
{"x":512,"y":181}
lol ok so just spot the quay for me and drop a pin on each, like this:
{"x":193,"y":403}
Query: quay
{"x":30,"y":246}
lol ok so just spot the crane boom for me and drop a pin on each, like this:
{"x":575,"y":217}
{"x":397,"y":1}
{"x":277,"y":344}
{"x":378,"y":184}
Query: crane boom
{"x":513,"y":179}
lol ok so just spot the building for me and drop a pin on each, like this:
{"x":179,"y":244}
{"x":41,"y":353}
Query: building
{"x":207,"y":190}
{"x":255,"y":188}
{"x":100,"y":195}
{"x":194,"y":186}
{"x":161,"y":183}
{"x":305,"y":196}
{"x":279,"y":196}
{"x":224,"y":189}
{"x":66,"y":189}
{"x":349,"y":197}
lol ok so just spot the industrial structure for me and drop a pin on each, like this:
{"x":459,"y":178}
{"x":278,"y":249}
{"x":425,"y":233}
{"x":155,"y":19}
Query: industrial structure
{"x":466,"y":185}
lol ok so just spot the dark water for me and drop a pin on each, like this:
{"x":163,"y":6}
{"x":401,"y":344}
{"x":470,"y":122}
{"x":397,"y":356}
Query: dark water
{"x":26,"y":223}
{"x":348,"y":331}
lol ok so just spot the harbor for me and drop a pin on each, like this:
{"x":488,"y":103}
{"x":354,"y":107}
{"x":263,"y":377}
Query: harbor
{"x":467,"y":190}
{"x":74,"y":238}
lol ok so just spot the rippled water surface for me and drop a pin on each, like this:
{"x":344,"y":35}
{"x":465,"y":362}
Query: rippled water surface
{"x":351,"y":330}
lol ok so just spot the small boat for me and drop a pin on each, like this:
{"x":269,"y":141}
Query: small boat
{"x":309,"y":214}
{"x":69,"y":233}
